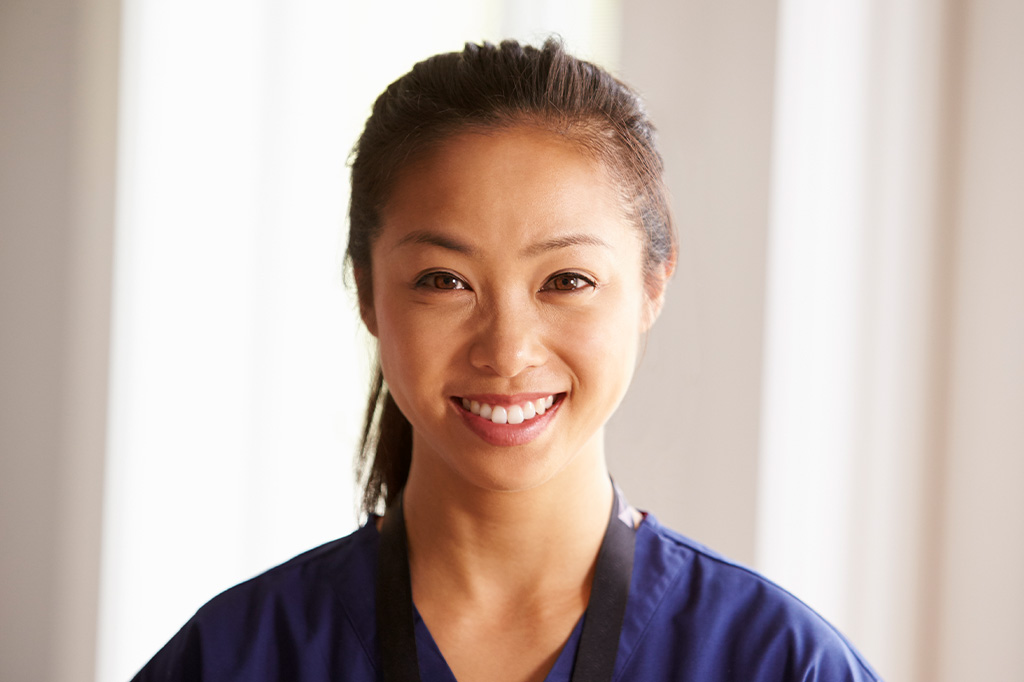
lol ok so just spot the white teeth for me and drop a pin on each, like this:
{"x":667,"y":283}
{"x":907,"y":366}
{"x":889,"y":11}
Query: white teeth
{"x":513,"y":414}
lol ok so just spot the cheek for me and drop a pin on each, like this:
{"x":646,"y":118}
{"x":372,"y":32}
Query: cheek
{"x":400,"y":342}
{"x":604,"y":343}
{"x":412,"y":377}
{"x":416,"y":351}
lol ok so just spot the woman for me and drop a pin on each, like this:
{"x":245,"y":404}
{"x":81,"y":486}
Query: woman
{"x":511,"y":242}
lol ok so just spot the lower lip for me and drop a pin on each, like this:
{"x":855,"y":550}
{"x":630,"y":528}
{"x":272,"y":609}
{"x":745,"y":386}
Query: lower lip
{"x":506,"y":435}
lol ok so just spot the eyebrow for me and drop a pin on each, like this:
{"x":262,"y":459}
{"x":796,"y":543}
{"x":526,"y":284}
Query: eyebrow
{"x":564,"y":242}
{"x":435,"y":239}
{"x":453,"y":244}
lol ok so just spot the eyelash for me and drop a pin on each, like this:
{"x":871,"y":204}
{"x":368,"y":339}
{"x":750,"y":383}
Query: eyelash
{"x":429,"y":281}
{"x":586,"y":282}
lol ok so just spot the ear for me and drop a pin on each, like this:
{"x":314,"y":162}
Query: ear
{"x":654,"y":292}
{"x":364,"y":291}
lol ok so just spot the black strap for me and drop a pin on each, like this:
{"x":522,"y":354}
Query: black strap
{"x":602,"y":623}
{"x":395,"y":626}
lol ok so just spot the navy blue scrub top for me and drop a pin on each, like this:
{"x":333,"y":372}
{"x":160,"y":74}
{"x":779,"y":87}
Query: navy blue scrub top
{"x":692,"y":615}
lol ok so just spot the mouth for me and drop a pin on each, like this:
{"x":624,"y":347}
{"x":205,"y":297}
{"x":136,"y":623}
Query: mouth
{"x":510,"y":413}
{"x":508,"y":420}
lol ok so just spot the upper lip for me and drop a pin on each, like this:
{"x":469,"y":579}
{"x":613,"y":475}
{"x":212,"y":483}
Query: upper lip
{"x":506,"y":399}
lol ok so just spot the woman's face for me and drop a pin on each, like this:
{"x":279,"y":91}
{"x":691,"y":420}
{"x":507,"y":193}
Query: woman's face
{"x":507,"y":282}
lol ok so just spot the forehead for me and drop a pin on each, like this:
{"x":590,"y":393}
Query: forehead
{"x":514,"y":187}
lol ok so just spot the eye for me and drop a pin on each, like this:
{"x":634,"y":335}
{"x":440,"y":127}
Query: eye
{"x":444,"y":281}
{"x":567,"y":281}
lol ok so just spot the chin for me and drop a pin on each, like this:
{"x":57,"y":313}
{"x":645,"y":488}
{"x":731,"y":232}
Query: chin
{"x":510,"y":470}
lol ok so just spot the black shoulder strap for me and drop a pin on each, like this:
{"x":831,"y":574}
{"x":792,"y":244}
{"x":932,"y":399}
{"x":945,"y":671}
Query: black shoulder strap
{"x":602,"y":623}
{"x":395,"y":625}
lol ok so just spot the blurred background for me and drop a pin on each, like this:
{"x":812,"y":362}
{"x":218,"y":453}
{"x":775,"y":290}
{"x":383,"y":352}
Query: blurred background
{"x":834,"y":393}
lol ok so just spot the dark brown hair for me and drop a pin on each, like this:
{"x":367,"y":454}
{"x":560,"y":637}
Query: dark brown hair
{"x":488,"y":87}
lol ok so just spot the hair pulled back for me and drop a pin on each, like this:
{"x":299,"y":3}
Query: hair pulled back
{"x":488,"y":87}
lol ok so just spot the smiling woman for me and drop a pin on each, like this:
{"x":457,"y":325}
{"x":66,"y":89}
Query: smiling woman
{"x":510,"y":242}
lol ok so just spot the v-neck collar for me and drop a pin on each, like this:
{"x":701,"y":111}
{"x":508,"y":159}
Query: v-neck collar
{"x":353,"y":577}
{"x":434,"y":667}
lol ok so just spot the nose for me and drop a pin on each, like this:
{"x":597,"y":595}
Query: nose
{"x":509,"y":340}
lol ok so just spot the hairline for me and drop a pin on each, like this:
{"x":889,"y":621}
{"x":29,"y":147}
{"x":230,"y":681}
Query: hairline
{"x":606,"y":156}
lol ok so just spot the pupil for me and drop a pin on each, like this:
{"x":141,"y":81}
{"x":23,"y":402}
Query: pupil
{"x":567,"y":283}
{"x":445,"y":282}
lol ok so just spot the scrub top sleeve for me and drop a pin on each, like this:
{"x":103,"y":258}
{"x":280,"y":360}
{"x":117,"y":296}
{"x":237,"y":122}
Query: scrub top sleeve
{"x":180,"y":660}
{"x":840,"y":664}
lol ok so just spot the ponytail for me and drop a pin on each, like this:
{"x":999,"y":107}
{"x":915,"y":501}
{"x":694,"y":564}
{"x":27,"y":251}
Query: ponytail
{"x":385,"y":451}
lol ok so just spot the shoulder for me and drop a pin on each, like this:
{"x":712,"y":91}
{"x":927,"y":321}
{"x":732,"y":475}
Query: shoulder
{"x":299,"y":582}
{"x":730,"y":617}
{"x":290,"y":622}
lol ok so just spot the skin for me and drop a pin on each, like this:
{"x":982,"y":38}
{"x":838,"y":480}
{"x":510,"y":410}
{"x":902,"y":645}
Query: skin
{"x":505,"y":267}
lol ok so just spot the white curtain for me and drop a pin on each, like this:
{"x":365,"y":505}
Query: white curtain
{"x":892,"y":445}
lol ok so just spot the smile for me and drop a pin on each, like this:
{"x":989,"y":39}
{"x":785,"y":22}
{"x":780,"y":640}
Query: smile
{"x":509,"y":414}
{"x":508,"y":420}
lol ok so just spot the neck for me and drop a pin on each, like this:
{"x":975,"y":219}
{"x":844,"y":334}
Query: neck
{"x":471,"y":543}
